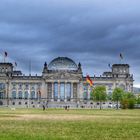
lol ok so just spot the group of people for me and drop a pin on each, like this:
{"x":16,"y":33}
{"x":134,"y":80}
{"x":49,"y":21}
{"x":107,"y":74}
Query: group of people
{"x":65,"y":107}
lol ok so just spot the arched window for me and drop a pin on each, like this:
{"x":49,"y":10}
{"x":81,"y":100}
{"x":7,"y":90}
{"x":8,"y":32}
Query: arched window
{"x":2,"y":91}
{"x":20,"y":94}
{"x":13,"y":94}
{"x":122,"y":86}
{"x":13,"y":86}
{"x":85,"y":94}
{"x":19,"y":103}
{"x":26,"y":95}
{"x":26,"y":86}
{"x":39,"y":94}
{"x":1,"y":95}
{"x":20,"y":86}
{"x":32,"y":87}
{"x":33,"y":95}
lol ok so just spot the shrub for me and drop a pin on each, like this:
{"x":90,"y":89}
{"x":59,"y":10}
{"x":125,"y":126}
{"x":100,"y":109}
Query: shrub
{"x":124,"y":103}
{"x":131,"y":103}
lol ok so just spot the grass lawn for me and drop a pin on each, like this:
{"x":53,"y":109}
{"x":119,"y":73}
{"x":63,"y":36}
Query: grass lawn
{"x":57,"y":124}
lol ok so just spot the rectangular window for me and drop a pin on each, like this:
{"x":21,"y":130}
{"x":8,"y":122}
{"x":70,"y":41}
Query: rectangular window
{"x":62,"y":91}
{"x":55,"y":91}
{"x":68,"y":91}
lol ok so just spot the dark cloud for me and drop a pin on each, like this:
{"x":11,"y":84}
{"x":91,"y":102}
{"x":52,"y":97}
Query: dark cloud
{"x":92,"y":32}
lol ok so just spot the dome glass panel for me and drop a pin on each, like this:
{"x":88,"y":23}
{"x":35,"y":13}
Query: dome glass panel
{"x":62,"y":63}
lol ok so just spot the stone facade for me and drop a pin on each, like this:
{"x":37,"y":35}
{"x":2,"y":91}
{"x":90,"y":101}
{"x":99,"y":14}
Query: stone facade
{"x":61,"y":83}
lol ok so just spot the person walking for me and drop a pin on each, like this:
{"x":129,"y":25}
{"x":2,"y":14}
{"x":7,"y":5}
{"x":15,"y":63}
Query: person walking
{"x":43,"y":107}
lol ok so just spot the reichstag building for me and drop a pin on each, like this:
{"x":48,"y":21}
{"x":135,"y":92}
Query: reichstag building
{"x":61,"y":83}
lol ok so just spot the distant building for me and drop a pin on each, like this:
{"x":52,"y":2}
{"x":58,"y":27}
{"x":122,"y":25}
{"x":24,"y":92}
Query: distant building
{"x":136,"y":91}
{"x":61,"y":83}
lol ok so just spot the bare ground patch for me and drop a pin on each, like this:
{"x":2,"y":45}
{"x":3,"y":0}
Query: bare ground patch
{"x":68,"y":117}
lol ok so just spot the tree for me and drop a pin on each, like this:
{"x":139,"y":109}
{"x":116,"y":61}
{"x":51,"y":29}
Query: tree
{"x":138,"y":99}
{"x":109,"y":96}
{"x":128,"y":100}
{"x":117,"y":95}
{"x":99,"y":94}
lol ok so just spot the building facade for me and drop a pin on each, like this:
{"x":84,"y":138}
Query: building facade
{"x":61,"y":83}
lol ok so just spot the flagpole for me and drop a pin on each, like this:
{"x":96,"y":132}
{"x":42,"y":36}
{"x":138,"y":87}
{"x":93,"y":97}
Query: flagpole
{"x":30,"y":70}
{"x":121,"y":58}
{"x":120,"y":61}
{"x":15,"y":66}
{"x":4,"y":57}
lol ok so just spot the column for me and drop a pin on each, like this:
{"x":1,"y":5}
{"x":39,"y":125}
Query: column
{"x":29,"y":94}
{"x":58,"y":100}
{"x":77,"y":96}
{"x":65,"y":91}
{"x":7,"y":91}
{"x":17,"y":92}
{"x":81,"y":91}
{"x":52,"y":92}
{"x":71,"y":91}
{"x":46,"y":91}
{"x":35,"y":91}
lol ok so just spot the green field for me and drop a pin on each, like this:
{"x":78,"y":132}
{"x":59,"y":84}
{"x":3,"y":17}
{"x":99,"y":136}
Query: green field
{"x":56,"y":124}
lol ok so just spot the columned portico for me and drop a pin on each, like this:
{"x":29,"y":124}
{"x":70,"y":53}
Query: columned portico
{"x":63,"y":91}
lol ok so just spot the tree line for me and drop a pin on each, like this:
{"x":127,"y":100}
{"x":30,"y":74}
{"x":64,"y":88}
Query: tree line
{"x":120,"y":97}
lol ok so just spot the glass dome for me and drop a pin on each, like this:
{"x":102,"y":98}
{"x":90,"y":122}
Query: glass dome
{"x":62,"y":63}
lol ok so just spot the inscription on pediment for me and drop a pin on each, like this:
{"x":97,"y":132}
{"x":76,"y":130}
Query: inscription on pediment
{"x":63,"y":76}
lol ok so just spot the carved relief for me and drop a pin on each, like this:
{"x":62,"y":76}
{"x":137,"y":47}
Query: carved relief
{"x":63,"y":75}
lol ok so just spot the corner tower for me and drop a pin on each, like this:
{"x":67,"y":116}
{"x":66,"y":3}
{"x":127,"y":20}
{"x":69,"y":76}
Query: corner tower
{"x":122,"y":76}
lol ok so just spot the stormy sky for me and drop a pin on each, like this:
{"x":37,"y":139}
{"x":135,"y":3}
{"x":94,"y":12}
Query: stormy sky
{"x":93,"y":32}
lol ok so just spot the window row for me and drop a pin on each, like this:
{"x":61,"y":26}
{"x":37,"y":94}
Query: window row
{"x":26,"y":95}
{"x":26,"y":86}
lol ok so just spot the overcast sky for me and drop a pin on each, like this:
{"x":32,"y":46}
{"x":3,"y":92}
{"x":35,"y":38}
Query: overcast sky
{"x":93,"y":32}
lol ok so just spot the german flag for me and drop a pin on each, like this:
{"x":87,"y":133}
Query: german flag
{"x":89,"y":80}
